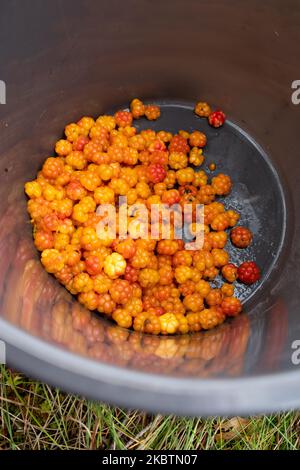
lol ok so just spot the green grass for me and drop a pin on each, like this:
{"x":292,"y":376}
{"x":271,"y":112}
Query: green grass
{"x":36,"y":416}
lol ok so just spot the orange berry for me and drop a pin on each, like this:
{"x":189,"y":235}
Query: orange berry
{"x":152,"y":112}
{"x":123,"y":118}
{"x":196,"y":157}
{"x":197,"y":139}
{"x":120,"y":291}
{"x":211,"y":317}
{"x":193,"y":302}
{"x":137,"y":108}
{"x":231,"y":306}
{"x":214,"y":297}
{"x":202,"y":109}
{"x":178,"y":160}
{"x":222,"y":184}
{"x":227,"y":290}
{"x":220,"y":257}
{"x":63,"y":147}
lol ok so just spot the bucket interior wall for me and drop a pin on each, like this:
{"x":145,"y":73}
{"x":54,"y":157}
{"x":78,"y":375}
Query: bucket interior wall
{"x":62,"y":60}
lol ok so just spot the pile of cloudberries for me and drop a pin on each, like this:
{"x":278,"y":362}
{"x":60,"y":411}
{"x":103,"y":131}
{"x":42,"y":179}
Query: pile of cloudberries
{"x":153,"y":286}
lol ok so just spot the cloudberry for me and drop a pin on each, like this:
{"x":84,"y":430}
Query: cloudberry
{"x":184,"y":134}
{"x":140,"y":259}
{"x":76,"y":160}
{"x":185,"y":176}
{"x":106,"y":304}
{"x":134,"y":306}
{"x":83,"y":283}
{"x":80,"y":143}
{"x":123,"y":118}
{"x":170,"y":179}
{"x":152,"y":112}
{"x":90,"y":180}
{"x":227,"y":290}
{"x":75,"y":191}
{"x":170,"y":197}
{"x":202,"y":288}
{"x":63,"y":147}
{"x":217,"y":239}
{"x":206,"y":194}
{"x":33,"y":189}
{"x":94,"y":264}
{"x":210,"y":317}
{"x":168,"y":323}
{"x":200,"y":178}
{"x":179,"y":144}
{"x":86,"y":123}
{"x":182,"y":257}
{"x":222,"y":184}
{"x":152,"y":324}
{"x":193,"y":302}
{"x":114,"y":265}
{"x":248,"y":272}
{"x":148,"y":277}
{"x":232,"y":217}
{"x":220,"y":257}
{"x":220,"y":222}
{"x":196,"y":157}
{"x":72,"y":132}
{"x":156,"y":173}
{"x":61,"y":241}
{"x":126,"y":248}
{"x":231,"y":306}
{"x":210,"y":273}
{"x":120,"y":291}
{"x":137,"y":108}
{"x":43,"y":240}
{"x":216,"y":118}
{"x":178,"y":160}
{"x":187,"y":288}
{"x":89,"y":299}
{"x":164,"y":136}
{"x":167,"y":247}
{"x":229,"y":272}
{"x":52,"y":167}
{"x":165,"y":275}
{"x":119,"y":186}
{"x":104,"y":195}
{"x":202,"y":109}
{"x":183,"y":274}
{"x":102,"y":283}
{"x":108,"y":122}
{"x":197,"y":139}
{"x":193,"y":320}
{"x":139,"y":321}
{"x":241,"y":237}
{"x":143,"y":189}
{"x":214,"y":297}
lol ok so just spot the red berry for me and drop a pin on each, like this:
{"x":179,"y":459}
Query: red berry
{"x":79,"y":143}
{"x":241,"y":237}
{"x":248,"y":272}
{"x":179,"y":144}
{"x":156,"y":173}
{"x":217,"y":118}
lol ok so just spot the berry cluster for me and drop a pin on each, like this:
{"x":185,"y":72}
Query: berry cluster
{"x":215,"y":118}
{"x":152,"y":285}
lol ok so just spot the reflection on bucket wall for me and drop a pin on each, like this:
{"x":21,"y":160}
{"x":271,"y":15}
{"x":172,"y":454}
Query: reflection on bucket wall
{"x":2,"y":92}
